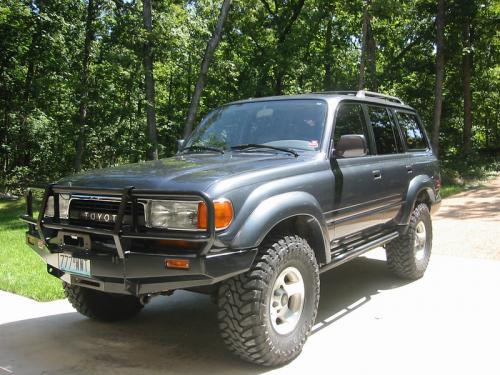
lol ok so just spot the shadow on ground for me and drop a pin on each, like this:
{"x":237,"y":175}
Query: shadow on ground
{"x":175,"y":334}
{"x":472,"y":205}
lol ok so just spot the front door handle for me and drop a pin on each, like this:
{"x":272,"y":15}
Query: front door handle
{"x":377,"y":175}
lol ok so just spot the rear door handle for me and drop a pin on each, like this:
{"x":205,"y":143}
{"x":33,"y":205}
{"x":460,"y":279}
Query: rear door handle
{"x":377,"y":175}
{"x":409,"y":169}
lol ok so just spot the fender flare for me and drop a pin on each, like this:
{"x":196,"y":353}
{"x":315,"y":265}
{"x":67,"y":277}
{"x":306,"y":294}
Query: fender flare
{"x":274,"y":210}
{"x":416,"y":186}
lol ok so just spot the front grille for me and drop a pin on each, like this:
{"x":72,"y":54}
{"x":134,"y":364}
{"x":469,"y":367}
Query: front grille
{"x":102,"y":206}
{"x":102,"y":212}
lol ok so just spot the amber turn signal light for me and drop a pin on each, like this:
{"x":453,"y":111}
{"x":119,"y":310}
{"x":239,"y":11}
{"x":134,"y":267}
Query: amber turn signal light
{"x":180,"y":264}
{"x":223,"y":214}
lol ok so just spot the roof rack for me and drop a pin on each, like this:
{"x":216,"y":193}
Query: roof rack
{"x":364,"y":94}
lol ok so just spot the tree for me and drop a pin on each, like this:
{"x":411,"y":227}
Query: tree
{"x":467,"y":61}
{"x":63,"y":78}
{"x":327,"y":50}
{"x":83,"y":90}
{"x":149,"y":83}
{"x":438,"y":103}
{"x":205,"y":64}
{"x":368,"y":52}
{"x":33,"y":52}
{"x":371,"y":51}
{"x":283,"y":27}
{"x":364,"y":45}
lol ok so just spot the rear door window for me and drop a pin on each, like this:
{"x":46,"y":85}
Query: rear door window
{"x":413,"y":134}
{"x":384,"y":131}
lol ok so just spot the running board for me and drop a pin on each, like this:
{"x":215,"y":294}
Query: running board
{"x":357,"y":251}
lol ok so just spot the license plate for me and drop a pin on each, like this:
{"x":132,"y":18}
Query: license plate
{"x":77,"y":266}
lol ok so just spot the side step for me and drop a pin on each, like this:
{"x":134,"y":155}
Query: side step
{"x":349,"y":254}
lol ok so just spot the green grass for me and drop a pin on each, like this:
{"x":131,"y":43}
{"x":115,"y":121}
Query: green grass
{"x":22,"y":271}
{"x":453,"y":189}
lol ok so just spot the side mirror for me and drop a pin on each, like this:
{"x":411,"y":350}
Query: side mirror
{"x":351,"y":146}
{"x":180,"y":144}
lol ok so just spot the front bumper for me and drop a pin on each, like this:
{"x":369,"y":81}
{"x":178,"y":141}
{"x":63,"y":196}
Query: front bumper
{"x":125,"y":269}
{"x":140,"y":274}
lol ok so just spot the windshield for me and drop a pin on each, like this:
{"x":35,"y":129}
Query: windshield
{"x":293,"y":124}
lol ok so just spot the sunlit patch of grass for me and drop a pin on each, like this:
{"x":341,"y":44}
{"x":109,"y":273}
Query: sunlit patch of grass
{"x":22,"y":271}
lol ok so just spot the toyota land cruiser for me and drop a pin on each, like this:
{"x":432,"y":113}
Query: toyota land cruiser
{"x":263,"y":196}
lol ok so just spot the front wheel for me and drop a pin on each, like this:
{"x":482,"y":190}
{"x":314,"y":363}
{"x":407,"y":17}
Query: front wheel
{"x":266,"y":314}
{"x":409,"y":254}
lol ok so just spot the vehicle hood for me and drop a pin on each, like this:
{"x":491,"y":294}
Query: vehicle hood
{"x":195,"y":172}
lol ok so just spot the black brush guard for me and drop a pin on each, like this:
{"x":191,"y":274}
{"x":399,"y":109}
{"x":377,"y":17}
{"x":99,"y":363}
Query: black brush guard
{"x":133,"y":272}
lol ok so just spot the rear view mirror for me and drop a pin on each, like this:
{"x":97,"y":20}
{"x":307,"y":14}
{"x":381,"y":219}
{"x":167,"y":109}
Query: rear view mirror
{"x":351,"y":146}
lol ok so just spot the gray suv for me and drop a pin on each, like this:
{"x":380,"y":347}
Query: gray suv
{"x":263,"y":196}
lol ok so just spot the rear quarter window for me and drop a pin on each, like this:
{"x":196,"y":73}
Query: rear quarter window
{"x":384,"y":131}
{"x":413,"y":135}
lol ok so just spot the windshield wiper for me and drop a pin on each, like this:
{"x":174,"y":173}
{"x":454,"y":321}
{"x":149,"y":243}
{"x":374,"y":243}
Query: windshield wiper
{"x":202,"y":148}
{"x":255,"y":145}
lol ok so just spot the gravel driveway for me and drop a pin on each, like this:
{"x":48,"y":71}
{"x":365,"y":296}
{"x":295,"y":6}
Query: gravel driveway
{"x":468,"y":224}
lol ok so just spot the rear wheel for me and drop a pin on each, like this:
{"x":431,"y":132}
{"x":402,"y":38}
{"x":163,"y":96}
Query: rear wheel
{"x":409,"y":254}
{"x":102,"y":306}
{"x":266,"y":314}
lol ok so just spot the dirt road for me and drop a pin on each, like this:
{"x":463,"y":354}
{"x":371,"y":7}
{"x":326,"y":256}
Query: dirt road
{"x":468,"y":224}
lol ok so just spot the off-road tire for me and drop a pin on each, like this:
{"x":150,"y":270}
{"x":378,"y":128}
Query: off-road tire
{"x":401,"y":252}
{"x":244,"y":303}
{"x":107,"y":307}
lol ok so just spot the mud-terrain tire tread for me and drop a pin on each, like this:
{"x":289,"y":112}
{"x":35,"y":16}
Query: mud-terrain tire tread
{"x":400,"y":251}
{"x":106,"y":307}
{"x":241,"y":303}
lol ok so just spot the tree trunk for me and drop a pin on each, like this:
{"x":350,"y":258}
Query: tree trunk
{"x":282,"y":24}
{"x":84,"y":84}
{"x":207,"y":58}
{"x":438,"y":100}
{"x":170,"y":96}
{"x":327,"y":54}
{"x":152,"y":151}
{"x":364,"y":36}
{"x":189,"y":85}
{"x":371,"y":51}
{"x":283,"y":28}
{"x":33,"y":52}
{"x":467,"y":73}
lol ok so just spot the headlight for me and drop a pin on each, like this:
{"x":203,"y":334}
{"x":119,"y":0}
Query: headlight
{"x":173,"y":214}
{"x":188,"y":215}
{"x":63,"y":206}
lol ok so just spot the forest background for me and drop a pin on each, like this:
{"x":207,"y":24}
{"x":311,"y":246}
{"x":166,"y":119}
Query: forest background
{"x":93,"y":83}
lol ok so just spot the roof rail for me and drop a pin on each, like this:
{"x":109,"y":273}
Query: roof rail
{"x":364,"y":94}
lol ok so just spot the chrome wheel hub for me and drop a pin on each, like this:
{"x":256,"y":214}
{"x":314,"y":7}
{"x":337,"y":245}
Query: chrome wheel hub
{"x":287,"y":300}
{"x":420,"y":241}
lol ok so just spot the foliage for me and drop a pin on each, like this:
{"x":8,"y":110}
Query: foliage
{"x":267,"y":48}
